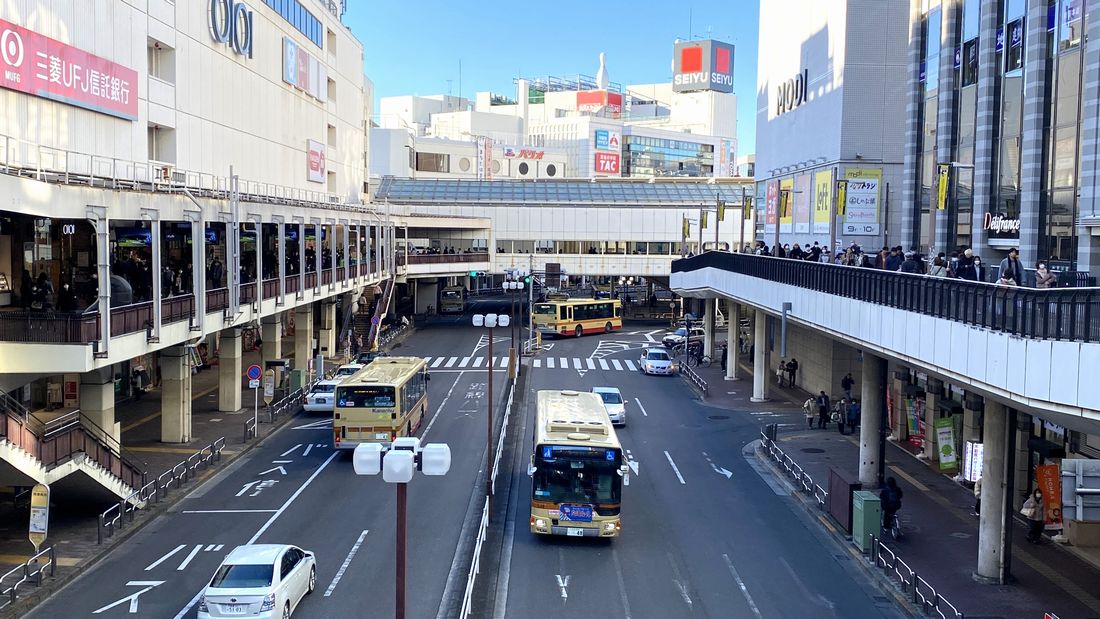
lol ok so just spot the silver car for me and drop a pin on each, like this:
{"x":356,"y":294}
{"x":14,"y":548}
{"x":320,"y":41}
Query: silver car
{"x":657,"y":361}
{"x":259,"y":580}
{"x":613,"y":403}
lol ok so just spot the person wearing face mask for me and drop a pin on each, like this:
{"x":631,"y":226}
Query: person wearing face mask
{"x":1035,"y":512}
{"x":1043,"y":277}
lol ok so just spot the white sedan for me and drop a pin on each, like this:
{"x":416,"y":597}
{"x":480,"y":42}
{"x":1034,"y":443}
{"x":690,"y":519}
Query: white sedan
{"x":613,"y":403}
{"x":259,"y":580}
{"x":657,"y":361}
{"x":322,"y":397}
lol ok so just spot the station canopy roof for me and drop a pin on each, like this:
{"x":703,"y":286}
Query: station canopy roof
{"x":695,"y":192}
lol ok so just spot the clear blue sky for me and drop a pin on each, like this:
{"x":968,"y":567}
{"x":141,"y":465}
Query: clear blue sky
{"x":414,"y":47}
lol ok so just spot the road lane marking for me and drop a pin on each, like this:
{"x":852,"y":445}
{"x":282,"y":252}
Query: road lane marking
{"x":133,"y":597}
{"x":563,"y":363}
{"x":438,"y":361}
{"x":309,"y":448}
{"x":290,"y":451}
{"x":465,"y":361}
{"x":591,"y":365}
{"x":538,"y":363}
{"x":229,"y":511}
{"x":576,"y":363}
{"x":741,"y":584}
{"x":267,"y":525}
{"x":641,"y":408}
{"x":563,"y":583}
{"x":909,"y":478}
{"x":477,"y":362}
{"x":630,"y":365}
{"x":451,"y":362}
{"x":622,"y":583}
{"x":550,"y":362}
{"x":187,"y":560}
{"x":603,"y":365}
{"x":346,"y":563}
{"x":717,"y":469}
{"x":674,"y":469}
{"x":615,"y":362}
{"x":677,"y":578}
{"x":431,"y":423}
{"x":164,"y":558}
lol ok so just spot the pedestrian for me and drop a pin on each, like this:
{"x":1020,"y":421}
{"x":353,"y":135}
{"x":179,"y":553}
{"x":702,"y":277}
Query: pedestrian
{"x":853,"y":415}
{"x":978,"y":497}
{"x":846,"y":385}
{"x":840,"y":414}
{"x":1035,"y":512}
{"x":725,"y":356}
{"x":808,"y":408}
{"x":1043,"y":277}
{"x":966,"y":268}
{"x":1010,"y":272}
{"x":792,"y":370}
{"x":822,"y":410}
{"x":894,"y":260}
{"x":910,"y":264}
{"x":939,"y":269}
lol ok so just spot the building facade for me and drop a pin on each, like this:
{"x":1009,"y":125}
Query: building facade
{"x":830,"y":107}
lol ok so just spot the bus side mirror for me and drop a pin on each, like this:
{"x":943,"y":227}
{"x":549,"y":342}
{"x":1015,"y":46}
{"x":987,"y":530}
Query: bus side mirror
{"x":531,"y":467}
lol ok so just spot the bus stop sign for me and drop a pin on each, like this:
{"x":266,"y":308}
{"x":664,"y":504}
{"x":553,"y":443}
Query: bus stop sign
{"x":40,"y":515}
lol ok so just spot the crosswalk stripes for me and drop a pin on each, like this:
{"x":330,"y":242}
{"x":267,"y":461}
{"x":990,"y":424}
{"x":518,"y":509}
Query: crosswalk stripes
{"x":550,"y":363}
{"x":465,"y":362}
{"x":591,"y":365}
{"x":438,"y":360}
{"x":615,"y":362}
{"x":630,"y":365}
{"x":451,"y":362}
{"x":603,"y":364}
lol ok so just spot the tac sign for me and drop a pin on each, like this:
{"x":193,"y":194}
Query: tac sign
{"x":269,"y":386}
{"x":40,"y":515}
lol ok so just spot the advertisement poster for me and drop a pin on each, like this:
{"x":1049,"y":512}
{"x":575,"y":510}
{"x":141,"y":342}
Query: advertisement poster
{"x":861,"y":206}
{"x":973,"y":452}
{"x":772,"y":207}
{"x":945,"y":442}
{"x":916,"y":425}
{"x":316,"y":161}
{"x":823,"y":201}
{"x":1048,"y":478}
{"x":803,"y":198}
{"x":786,"y":206}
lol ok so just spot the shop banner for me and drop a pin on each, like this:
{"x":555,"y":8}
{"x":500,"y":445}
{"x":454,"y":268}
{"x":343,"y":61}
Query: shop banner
{"x":823,"y":201}
{"x":47,"y":68}
{"x":802,"y":201}
{"x":945,"y":441}
{"x":1048,"y":478}
{"x":771,"y":215}
{"x":973,"y":452}
{"x":786,"y":214}
{"x":916,"y":422}
{"x":861,"y":208}
{"x":941,"y":188}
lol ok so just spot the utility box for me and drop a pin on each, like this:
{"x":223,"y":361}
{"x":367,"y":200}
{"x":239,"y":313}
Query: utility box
{"x":298,"y":378}
{"x":839,"y":504}
{"x":866,"y":518}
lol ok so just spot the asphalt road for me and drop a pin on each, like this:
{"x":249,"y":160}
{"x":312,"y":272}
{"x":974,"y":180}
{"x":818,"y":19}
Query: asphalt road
{"x":296,"y":489}
{"x":704,"y":534}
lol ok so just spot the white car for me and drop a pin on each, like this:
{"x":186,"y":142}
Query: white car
{"x":259,"y":580}
{"x":657,"y":361}
{"x":678,"y":336}
{"x":613,"y":403}
{"x":347,"y":370}
{"x":322,"y":397}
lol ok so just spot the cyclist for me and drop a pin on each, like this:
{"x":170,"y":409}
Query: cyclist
{"x":890,"y":496}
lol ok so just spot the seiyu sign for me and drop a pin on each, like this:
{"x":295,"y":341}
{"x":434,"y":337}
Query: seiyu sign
{"x":792,"y":93}
{"x":702,"y":65}
{"x":231,"y":24}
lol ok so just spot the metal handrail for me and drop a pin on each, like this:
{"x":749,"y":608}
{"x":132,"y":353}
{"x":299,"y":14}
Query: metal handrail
{"x":11,"y":593}
{"x":475,"y":565}
{"x":694,"y":378}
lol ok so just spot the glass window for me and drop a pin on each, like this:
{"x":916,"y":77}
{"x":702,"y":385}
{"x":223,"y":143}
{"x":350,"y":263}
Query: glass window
{"x":243,"y":576}
{"x":1061,"y":242}
{"x":368,"y":396}
{"x":1013,"y":102}
{"x":1069,"y":82}
{"x":1014,"y":59}
{"x":1065,"y":156}
{"x":1014,"y":8}
{"x":971,"y":18}
{"x":970,"y":63}
{"x":433,"y":162}
{"x":1070,"y":24}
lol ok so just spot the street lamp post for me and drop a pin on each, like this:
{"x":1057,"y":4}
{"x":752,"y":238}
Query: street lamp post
{"x":397,"y":465}
{"x":513,"y":286}
{"x":490,"y":321}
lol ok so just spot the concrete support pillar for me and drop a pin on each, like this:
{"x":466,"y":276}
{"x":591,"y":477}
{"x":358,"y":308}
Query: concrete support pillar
{"x":303,"y":336}
{"x":972,"y":407}
{"x":175,"y":394}
{"x":229,"y":371}
{"x":872,"y":394}
{"x":326,"y":336}
{"x":732,"y":311}
{"x":759,"y":365}
{"x":991,"y":527}
{"x":900,"y":423}
{"x":708,"y":328}
{"x":97,"y":401}
{"x":271,"y":333}
{"x":932,"y":394}
{"x":1021,"y":461}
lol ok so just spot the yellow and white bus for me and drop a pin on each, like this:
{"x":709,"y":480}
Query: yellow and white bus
{"x":577,"y":467}
{"x":578,"y":316}
{"x":385,"y":400}
{"x":452,"y":300}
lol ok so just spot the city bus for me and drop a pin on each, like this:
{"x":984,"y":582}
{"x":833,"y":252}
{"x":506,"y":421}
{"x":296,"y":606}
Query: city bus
{"x":576,"y":468}
{"x":452,"y":300}
{"x":382,"y":401}
{"x":578,"y":316}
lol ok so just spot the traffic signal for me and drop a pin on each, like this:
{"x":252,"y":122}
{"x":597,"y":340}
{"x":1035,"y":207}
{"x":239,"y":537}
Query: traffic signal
{"x":527,"y":280}
{"x":474,"y":274}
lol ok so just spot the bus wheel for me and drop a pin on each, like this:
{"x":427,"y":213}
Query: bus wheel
{"x":607,"y":328}
{"x":578,"y":331}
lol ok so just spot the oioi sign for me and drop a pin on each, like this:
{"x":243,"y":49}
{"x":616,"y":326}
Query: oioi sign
{"x":231,"y":24}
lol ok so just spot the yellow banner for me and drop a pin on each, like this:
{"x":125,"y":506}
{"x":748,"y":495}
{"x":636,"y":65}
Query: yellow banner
{"x":841,"y":198}
{"x":941,"y":193}
{"x":746,"y":208}
{"x":823,"y":201}
{"x":786,"y":214}
{"x":721,"y":210}
{"x":702,"y":220}
{"x":687,"y":228}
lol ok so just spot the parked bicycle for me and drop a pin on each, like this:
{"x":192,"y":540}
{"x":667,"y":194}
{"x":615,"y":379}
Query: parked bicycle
{"x":693,"y":356}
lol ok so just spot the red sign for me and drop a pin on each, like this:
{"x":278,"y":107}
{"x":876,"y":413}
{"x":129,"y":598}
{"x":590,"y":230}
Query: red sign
{"x":1048,"y":478}
{"x":47,"y":68}
{"x":316,"y":161}
{"x":595,"y":100}
{"x":607,"y":163}
{"x":511,"y":152}
{"x":772,"y":203}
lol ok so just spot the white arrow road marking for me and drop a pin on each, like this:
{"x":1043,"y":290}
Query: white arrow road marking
{"x":309,"y":447}
{"x":290,"y":451}
{"x":741,"y":584}
{"x":278,"y":468}
{"x":641,"y":408}
{"x":347,"y":561}
{"x":167,"y":556}
{"x":133,"y":598}
{"x":562,"y":584}
{"x":674,"y":469}
{"x":187,"y":561}
{"x":633,"y":464}
{"x":678,"y":580}
{"x":717,"y":469}
{"x":315,"y":425}
{"x":245,"y":489}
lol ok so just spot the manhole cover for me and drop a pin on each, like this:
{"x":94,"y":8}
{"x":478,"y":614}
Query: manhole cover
{"x":812,"y":450}
{"x":718,"y":417}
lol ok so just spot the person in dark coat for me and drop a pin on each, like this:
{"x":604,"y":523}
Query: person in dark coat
{"x":822,"y":410}
{"x":966,"y":268}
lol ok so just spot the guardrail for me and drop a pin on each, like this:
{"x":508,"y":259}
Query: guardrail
{"x":291,"y":400}
{"x":898,"y":571}
{"x":31,"y":571}
{"x":390,"y":335}
{"x":695,"y":379}
{"x":119,"y":514}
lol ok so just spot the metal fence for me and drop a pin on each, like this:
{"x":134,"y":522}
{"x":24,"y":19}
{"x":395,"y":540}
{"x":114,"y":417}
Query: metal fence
{"x":695,"y":379}
{"x":1056,"y":313}
{"x":31,"y":571}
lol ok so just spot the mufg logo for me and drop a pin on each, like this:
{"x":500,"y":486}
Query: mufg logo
{"x":11,"y":51}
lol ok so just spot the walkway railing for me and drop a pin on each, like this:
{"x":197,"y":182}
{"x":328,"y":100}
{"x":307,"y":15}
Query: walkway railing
{"x":695,"y":379}
{"x":31,"y":571}
{"x":446,"y":258}
{"x":1055,"y":313}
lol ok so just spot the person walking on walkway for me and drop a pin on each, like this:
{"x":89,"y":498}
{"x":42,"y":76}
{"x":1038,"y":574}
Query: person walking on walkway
{"x":1035,"y":512}
{"x":1010,"y":272}
{"x":966,"y":268}
{"x":822,"y":410}
{"x":1043,"y":277}
{"x":978,"y":497}
{"x":846,"y":385}
{"x":792,"y":371}
{"x":853,"y":415}
{"x":840,"y":414}
{"x":808,"y":408}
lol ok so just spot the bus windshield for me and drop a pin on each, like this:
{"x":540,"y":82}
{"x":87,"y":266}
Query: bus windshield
{"x":452,"y":294}
{"x":578,"y":475}
{"x":545,"y":309}
{"x":369,"y":396}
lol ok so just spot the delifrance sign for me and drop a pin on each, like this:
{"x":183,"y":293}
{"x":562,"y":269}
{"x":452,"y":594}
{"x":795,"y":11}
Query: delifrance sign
{"x":317,"y":161}
{"x":1001,"y":226}
{"x":47,"y":68}
{"x":702,"y":65}
{"x":607,"y":163}
{"x":231,"y":24}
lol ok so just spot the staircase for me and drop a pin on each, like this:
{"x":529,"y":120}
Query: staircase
{"x":69,"y":453}
{"x":377,"y":314}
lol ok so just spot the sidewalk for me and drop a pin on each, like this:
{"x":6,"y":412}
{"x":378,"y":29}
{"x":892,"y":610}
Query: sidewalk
{"x":940,"y":539}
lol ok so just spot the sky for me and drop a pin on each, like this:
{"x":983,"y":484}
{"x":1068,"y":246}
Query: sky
{"x":415,"y":47}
